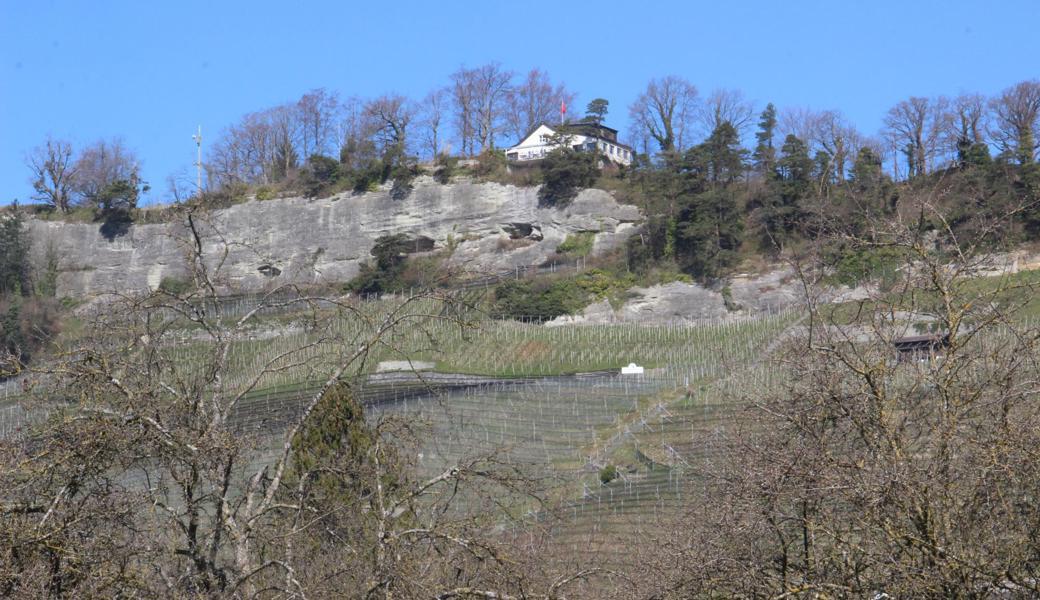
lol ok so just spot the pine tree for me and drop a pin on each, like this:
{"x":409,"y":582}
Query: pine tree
{"x":711,"y":230}
{"x":710,"y":227}
{"x":764,"y":156}
{"x":596,"y":111}
{"x":14,"y":254}
{"x":781,"y":205}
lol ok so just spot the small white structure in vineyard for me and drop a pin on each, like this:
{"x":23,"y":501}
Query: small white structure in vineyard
{"x":632,"y":369}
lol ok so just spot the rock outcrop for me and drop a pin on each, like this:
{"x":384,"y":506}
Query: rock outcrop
{"x":679,"y":302}
{"x":257,"y":244}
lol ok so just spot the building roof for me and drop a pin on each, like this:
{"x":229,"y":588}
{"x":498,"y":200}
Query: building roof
{"x":579,"y":128}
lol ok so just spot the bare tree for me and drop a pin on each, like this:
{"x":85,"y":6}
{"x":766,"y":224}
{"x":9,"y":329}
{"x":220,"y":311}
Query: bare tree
{"x":264,"y":147}
{"x":431,"y":113}
{"x":53,"y":173}
{"x":356,"y":135}
{"x":873,"y":471}
{"x":915,"y":126}
{"x":969,"y":119}
{"x":107,"y":175}
{"x":726,"y":106}
{"x":181,"y":186}
{"x":390,"y":116}
{"x":1016,"y":120}
{"x":492,"y":86}
{"x":533,"y":101}
{"x":665,"y":112}
{"x":838,"y":137}
{"x":463,"y":94}
{"x":318,"y":113}
{"x":479,"y":100}
{"x":801,"y":122}
{"x":284,"y":124}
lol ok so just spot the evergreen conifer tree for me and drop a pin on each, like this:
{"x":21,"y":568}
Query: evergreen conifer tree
{"x":764,"y":156}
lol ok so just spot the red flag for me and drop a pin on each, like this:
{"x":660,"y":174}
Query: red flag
{"x":563,"y":107}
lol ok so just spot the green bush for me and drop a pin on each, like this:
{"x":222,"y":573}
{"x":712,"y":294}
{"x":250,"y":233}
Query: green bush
{"x":174,"y":285}
{"x":607,"y":474}
{"x":265,"y":192}
{"x":319,"y":176}
{"x":538,"y":300}
{"x":600,"y":283}
{"x":393,"y":270}
{"x":855,"y":266}
{"x":577,"y":244}
{"x":564,"y":172}
{"x":444,"y":168}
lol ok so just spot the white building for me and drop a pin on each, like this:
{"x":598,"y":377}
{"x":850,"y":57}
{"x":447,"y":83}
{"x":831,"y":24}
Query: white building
{"x":583,"y":137}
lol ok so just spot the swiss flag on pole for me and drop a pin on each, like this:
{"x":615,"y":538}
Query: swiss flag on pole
{"x":563,"y":108}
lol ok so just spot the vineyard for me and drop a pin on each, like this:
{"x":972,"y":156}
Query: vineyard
{"x":549,"y":400}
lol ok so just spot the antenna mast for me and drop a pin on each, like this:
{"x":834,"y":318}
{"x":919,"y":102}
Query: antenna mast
{"x":198,"y":161}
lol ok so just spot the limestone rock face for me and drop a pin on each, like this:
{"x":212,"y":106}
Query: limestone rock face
{"x":679,"y":302}
{"x":259,"y":244}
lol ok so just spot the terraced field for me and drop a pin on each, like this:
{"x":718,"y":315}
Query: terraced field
{"x":547,"y":400}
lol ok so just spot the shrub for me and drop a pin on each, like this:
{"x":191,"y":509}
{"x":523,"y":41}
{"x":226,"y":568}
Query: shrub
{"x":577,"y":244}
{"x":319,"y":176}
{"x":564,"y":171}
{"x":854,"y":266}
{"x":26,"y":325}
{"x":393,"y":271}
{"x":444,"y":168}
{"x":265,"y":192}
{"x":607,"y":474}
{"x":367,"y":178}
{"x":174,"y":285}
{"x":600,"y":283}
{"x":537,"y":300}
{"x":403,"y":176}
{"x":491,"y":163}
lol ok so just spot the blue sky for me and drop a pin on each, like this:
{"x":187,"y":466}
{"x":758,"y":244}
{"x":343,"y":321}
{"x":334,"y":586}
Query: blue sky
{"x":151,"y":71}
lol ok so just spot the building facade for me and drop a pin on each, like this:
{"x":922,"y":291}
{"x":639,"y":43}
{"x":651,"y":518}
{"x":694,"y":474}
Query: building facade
{"x":583,"y":137}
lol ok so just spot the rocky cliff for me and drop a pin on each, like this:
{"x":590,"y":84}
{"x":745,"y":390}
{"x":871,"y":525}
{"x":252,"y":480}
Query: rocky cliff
{"x":256,"y":244}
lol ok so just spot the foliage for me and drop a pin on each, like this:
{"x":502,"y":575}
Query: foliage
{"x":318,"y":176}
{"x":654,"y":243}
{"x":14,"y":254}
{"x":174,"y":285}
{"x":764,"y":156}
{"x":856,"y":265}
{"x":565,"y":171}
{"x":27,"y":325}
{"x":444,"y":168}
{"x":335,"y":444}
{"x":547,"y":298}
{"x":393,"y":270}
{"x":47,"y":283}
{"x":577,"y":244}
{"x":403,"y":174}
{"x":607,"y":474}
{"x":265,"y":192}
{"x":490,"y":162}
{"x":781,"y":205}
{"x":383,"y":274}
{"x":596,"y":110}
{"x":538,"y":300}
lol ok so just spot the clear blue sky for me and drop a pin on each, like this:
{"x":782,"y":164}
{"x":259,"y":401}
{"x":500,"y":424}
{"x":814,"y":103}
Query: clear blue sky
{"x":151,"y":71}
